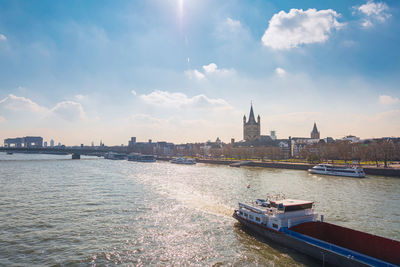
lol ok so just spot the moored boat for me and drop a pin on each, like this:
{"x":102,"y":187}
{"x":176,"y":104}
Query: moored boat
{"x":328,"y":169}
{"x":183,"y":161}
{"x":293,"y":223}
{"x":146,"y":158}
{"x":115,"y":156}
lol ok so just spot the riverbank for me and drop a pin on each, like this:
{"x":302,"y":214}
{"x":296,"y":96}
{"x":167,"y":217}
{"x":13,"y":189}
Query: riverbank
{"x":391,"y":172}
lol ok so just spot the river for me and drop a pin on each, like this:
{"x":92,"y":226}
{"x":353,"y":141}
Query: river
{"x":63,"y":212}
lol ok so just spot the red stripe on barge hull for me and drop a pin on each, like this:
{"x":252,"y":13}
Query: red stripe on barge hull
{"x":368,"y":244}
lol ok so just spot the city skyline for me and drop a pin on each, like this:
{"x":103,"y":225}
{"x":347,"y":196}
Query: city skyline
{"x":186,"y":71}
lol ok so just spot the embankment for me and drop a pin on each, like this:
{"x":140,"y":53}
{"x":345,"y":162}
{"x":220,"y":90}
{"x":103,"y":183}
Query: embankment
{"x":392,"y":172}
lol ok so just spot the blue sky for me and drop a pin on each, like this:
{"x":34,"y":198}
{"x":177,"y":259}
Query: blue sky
{"x":186,"y":70}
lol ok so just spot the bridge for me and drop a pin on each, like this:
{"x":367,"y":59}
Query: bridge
{"x":76,"y":152}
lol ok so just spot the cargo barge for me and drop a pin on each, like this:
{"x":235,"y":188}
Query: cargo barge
{"x":293,"y":224}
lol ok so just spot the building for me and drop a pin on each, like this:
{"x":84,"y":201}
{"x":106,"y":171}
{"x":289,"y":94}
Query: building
{"x":351,"y":138}
{"x":315,"y":134}
{"x":251,"y":128}
{"x":51,"y":143}
{"x":132,"y":142}
{"x":273,"y":135}
{"x":27,"y":141}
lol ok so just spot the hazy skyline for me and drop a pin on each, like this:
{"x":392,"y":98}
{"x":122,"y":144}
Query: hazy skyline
{"x":187,"y":70}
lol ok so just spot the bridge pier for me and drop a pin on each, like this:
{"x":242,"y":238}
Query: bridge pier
{"x":76,"y":156}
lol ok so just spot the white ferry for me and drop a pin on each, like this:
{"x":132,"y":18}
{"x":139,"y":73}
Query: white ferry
{"x":115,"y":156}
{"x":293,"y":223}
{"x":329,"y":169}
{"x":183,"y":161}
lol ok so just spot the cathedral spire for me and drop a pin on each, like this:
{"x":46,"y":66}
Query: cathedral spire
{"x":251,"y":116}
{"x":315,"y":133}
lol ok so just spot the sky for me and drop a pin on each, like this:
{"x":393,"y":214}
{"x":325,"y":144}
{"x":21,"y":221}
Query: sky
{"x":187,"y":70}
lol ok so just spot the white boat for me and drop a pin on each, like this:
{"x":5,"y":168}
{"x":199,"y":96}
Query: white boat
{"x":329,"y":169}
{"x":183,"y":161}
{"x":115,"y":156}
{"x":278,"y":213}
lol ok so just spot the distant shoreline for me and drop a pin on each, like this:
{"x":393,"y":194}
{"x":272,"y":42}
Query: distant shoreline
{"x":390,"y":172}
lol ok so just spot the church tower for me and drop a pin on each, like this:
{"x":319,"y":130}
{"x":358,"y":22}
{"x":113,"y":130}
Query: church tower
{"x":315,"y":133}
{"x":251,"y":128}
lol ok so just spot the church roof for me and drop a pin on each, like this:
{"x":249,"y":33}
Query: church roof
{"x":315,"y":130}
{"x":251,"y":116}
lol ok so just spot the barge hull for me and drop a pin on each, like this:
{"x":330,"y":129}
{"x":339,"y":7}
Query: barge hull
{"x":309,"y":249}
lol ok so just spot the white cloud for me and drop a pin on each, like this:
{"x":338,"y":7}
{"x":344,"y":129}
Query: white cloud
{"x":19,"y":103}
{"x":69,"y":111}
{"x":167,"y":99}
{"x":3,"y":37}
{"x":373,"y":12}
{"x":378,"y":10}
{"x":210,"y":67}
{"x":281,"y":72}
{"x":194,"y":74}
{"x":133,"y":92}
{"x":232,"y":24}
{"x":388,"y":100}
{"x":367,"y":24}
{"x":289,"y":30}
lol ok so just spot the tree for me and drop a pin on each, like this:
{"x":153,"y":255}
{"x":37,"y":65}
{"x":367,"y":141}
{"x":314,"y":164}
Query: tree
{"x":387,"y":151}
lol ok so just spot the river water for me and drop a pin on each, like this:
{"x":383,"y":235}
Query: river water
{"x":63,"y":212}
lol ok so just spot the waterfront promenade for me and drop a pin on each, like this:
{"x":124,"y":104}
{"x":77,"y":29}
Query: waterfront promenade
{"x":392,"y":172}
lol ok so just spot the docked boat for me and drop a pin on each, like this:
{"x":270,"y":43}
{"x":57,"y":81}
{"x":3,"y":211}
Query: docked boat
{"x":146,"y":158}
{"x":115,"y":156}
{"x":134,"y":157}
{"x":294,"y":224}
{"x":183,"y":161}
{"x":328,"y":169}
{"x":9,"y":153}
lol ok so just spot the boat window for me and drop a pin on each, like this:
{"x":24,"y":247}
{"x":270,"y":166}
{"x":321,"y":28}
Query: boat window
{"x":241,"y":213}
{"x":257,"y":219}
{"x":251,"y":217}
{"x":275,"y":225}
{"x":298,"y":207}
{"x":245,"y":214}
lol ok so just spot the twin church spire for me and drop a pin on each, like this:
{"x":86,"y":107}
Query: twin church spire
{"x":252,"y":128}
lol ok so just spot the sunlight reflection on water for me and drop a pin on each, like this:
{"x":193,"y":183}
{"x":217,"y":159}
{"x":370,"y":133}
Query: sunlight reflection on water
{"x":96,"y":211}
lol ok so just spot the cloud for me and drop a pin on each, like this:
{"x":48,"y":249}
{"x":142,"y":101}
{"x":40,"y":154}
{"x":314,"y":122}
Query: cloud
{"x":194,"y":74}
{"x":281,"y":72}
{"x":2,"y":119}
{"x":289,"y":30}
{"x":373,"y":12}
{"x":167,"y":99}
{"x":69,"y":111}
{"x":388,"y":100}
{"x":231,"y":29}
{"x":133,"y":92}
{"x":3,"y":37}
{"x":210,"y":67}
{"x":232,"y":24}
{"x":19,"y":103}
